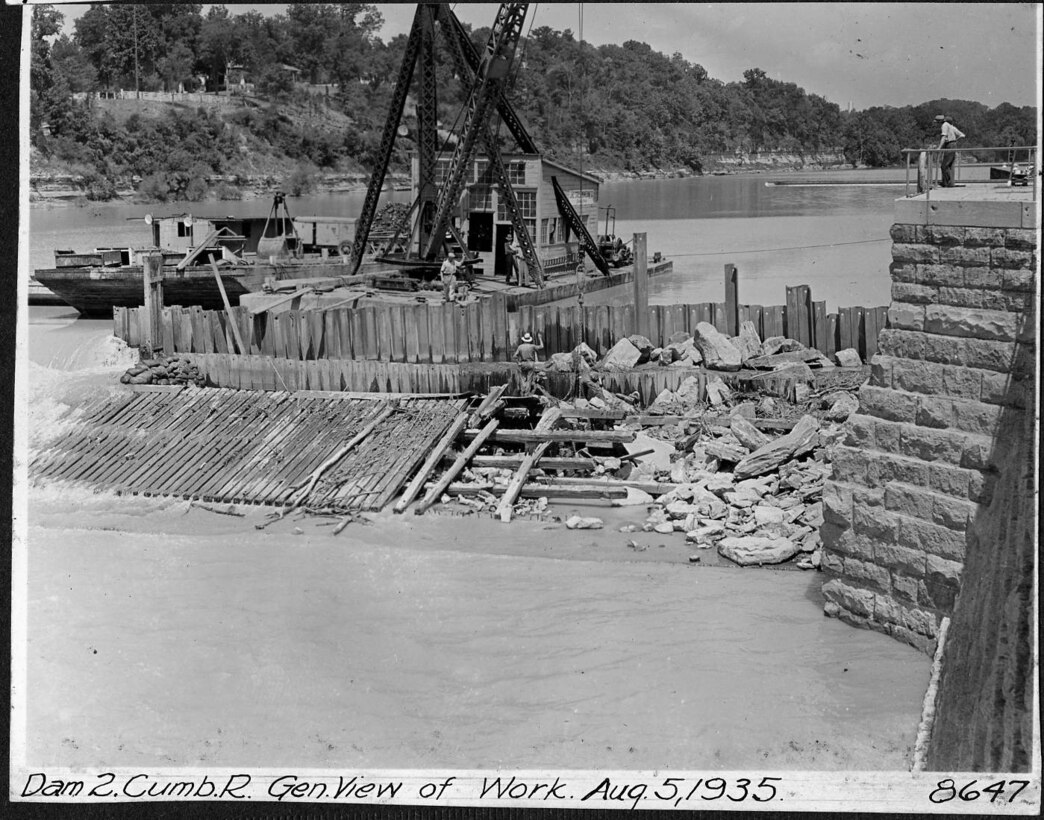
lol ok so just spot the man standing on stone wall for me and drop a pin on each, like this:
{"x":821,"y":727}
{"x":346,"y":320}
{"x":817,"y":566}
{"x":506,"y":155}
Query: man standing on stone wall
{"x":948,"y":137}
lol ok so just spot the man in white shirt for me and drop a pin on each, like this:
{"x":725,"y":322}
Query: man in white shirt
{"x":948,"y":136}
{"x":448,"y":272}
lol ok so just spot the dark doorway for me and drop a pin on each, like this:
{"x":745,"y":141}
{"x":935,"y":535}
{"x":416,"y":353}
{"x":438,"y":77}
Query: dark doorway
{"x":480,"y":232}
{"x":501,"y":265}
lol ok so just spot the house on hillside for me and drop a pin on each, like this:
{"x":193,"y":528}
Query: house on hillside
{"x":484,"y":221}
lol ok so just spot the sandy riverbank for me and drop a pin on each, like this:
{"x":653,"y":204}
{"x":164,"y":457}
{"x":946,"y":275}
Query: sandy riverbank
{"x":163,"y":634}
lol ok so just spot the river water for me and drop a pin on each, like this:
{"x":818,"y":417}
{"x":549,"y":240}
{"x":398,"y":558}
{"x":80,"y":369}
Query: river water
{"x":170,"y":636}
{"x":833,"y":237}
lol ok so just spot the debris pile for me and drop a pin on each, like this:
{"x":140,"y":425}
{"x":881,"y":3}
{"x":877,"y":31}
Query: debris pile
{"x":164,"y":370}
{"x":714,"y":466}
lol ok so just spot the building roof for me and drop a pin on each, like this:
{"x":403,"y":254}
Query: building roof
{"x":572,"y":171}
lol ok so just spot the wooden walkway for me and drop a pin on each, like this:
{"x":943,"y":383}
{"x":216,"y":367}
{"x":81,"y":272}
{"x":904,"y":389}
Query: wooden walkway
{"x":249,"y":447}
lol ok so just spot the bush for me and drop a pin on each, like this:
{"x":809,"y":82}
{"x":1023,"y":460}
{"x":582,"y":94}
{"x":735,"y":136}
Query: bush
{"x":154,"y":187}
{"x":303,"y":179}
{"x":98,"y":187}
{"x":227,"y":192}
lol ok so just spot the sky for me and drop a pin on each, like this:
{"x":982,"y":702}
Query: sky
{"x":865,"y":54}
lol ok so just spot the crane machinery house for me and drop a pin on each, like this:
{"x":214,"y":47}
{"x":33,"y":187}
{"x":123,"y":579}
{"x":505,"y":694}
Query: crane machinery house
{"x":484,"y":220}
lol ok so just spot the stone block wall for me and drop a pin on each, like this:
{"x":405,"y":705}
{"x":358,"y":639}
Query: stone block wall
{"x":923,"y":455}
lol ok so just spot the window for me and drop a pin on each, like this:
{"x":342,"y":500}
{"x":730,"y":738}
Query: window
{"x":482,"y":171}
{"x":480,"y":198}
{"x":183,"y":229}
{"x":526,"y":206}
{"x":441,"y":171}
{"x":550,"y":231}
{"x":516,"y":173}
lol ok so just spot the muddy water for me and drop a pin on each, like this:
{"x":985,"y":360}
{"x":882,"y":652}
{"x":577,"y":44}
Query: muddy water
{"x":161,"y":634}
{"x":380,"y":649}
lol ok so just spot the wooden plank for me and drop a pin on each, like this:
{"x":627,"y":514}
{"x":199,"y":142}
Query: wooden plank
{"x":344,"y":332}
{"x":544,"y":490}
{"x":437,"y":334}
{"x":462,"y":321}
{"x":859,"y":331}
{"x":498,"y":307}
{"x":240,"y":346}
{"x":819,"y":326}
{"x":847,"y":317}
{"x":548,"y":419}
{"x":411,"y":350}
{"x":331,"y":334}
{"x":486,"y":331}
{"x":451,"y":353}
{"x":731,"y":300}
{"x":773,"y":321}
{"x":317,"y":333}
{"x":434,"y":457}
{"x":511,"y":462}
{"x":833,"y":332}
{"x":718,"y":311}
{"x":369,"y":333}
{"x":435,"y":492}
{"x":535,"y":437}
{"x":397,"y":326}
{"x":382,"y":318}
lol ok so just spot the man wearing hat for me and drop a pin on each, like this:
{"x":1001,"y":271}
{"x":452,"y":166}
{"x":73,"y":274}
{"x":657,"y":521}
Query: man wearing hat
{"x":948,"y":136}
{"x":526,"y":356}
{"x":448,"y":272}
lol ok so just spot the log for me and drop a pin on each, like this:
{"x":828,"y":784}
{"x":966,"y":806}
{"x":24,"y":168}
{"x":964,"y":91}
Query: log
{"x":511,"y":462}
{"x":749,"y":435}
{"x":801,"y":439}
{"x":542,"y":490}
{"x":437,"y":453}
{"x":480,"y":438}
{"x":593,"y":413}
{"x":536,"y":437}
{"x":550,"y":417}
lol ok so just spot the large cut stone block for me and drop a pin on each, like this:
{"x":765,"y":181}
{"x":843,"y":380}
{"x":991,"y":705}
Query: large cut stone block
{"x":1018,"y":280}
{"x":964,"y":256}
{"x":984,"y":237}
{"x":906,"y":316}
{"x":859,"y":601}
{"x":1011,"y":258}
{"x":902,"y":252}
{"x":903,"y":272}
{"x":901,"y":559}
{"x":935,"y":411}
{"x":914,"y":294}
{"x":977,"y":417}
{"x":952,"y":513}
{"x":927,"y":444}
{"x":941,"y":275}
{"x":837,"y":503}
{"x":907,"y":234}
{"x":621,"y":356}
{"x":883,"y":468}
{"x":923,"y":535}
{"x":962,"y":382}
{"x":917,"y":377}
{"x":904,"y":344}
{"x":973,"y":323}
{"x":960,"y":297}
{"x":986,"y":354}
{"x":849,"y":463}
{"x":1023,"y":239}
{"x":868,"y":574}
{"x":947,"y":235}
{"x":876,"y":525}
{"x":888,"y":404}
{"x":910,"y":501}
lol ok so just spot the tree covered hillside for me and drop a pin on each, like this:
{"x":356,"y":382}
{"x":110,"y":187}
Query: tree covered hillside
{"x":306,"y":92}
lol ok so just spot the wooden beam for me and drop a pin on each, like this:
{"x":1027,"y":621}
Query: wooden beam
{"x":731,"y":300}
{"x":415,"y":486}
{"x":243,"y":349}
{"x":480,"y":438}
{"x":550,"y":417}
{"x":536,"y":437}
{"x":641,"y":285}
{"x":542,"y":490}
{"x":509,"y":462}
{"x":489,"y":405}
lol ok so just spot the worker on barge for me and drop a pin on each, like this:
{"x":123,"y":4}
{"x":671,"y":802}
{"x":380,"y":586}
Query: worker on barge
{"x":448,"y":272}
{"x":528,"y":361}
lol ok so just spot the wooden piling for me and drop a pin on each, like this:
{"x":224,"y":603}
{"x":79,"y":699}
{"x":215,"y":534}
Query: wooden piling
{"x":153,"y":270}
{"x":641,"y":284}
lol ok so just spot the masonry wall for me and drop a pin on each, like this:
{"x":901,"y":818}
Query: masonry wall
{"x":937,"y":423}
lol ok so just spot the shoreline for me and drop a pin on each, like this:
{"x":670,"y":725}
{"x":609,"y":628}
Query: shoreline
{"x":62,"y":195}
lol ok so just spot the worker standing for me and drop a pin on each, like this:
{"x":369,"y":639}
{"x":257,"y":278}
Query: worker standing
{"x":948,"y":136}
{"x":528,"y":361}
{"x":448,"y":272}
{"x":519,"y":263}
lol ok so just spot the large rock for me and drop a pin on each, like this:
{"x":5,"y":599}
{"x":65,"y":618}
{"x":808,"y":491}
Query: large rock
{"x":841,"y":407}
{"x":747,"y":434}
{"x":660,"y":457}
{"x":718,"y":392}
{"x":689,"y":391}
{"x":780,"y":344}
{"x":765,"y":459}
{"x":642,"y":345}
{"x":621,"y":356}
{"x":576,"y":522}
{"x":718,"y":352}
{"x":748,"y":341}
{"x":586,"y":353}
{"x":849,"y":357}
{"x":752,"y":550}
{"x":560,"y":362}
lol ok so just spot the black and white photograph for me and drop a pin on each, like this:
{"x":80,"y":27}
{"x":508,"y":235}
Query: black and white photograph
{"x":539,"y":405}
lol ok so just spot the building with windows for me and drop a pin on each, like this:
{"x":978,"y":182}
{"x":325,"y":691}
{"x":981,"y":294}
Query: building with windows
{"x":484,"y":221}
